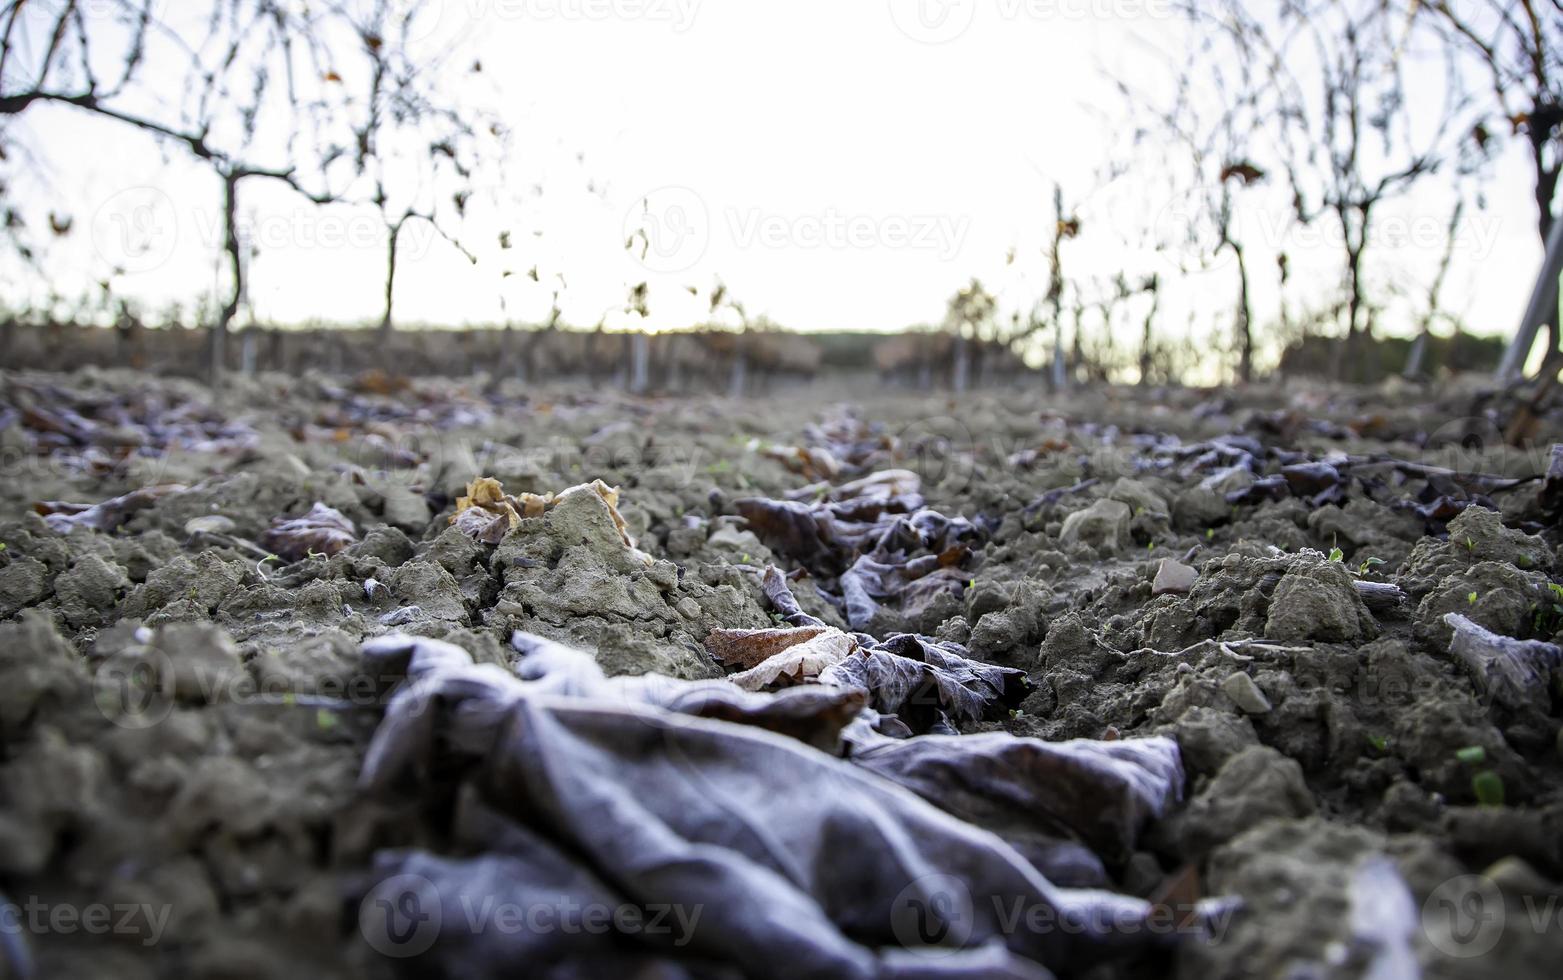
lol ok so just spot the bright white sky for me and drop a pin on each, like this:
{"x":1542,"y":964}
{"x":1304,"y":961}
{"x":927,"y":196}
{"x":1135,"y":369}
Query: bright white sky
{"x":823,"y":159}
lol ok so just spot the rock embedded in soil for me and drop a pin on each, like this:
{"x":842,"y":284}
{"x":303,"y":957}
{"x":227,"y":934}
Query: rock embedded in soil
{"x":1103,"y":525}
{"x":1173,"y":578}
{"x":1246,"y":694}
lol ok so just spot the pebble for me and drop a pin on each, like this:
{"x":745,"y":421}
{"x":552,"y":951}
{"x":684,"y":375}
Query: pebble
{"x":402,"y":616}
{"x":210,"y":524}
{"x":688,"y":608}
{"x":1245,"y":694}
{"x":1173,"y":577}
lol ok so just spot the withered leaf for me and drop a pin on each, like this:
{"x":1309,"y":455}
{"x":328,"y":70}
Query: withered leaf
{"x":683,"y":815}
{"x":105,"y":516}
{"x":322,"y":531}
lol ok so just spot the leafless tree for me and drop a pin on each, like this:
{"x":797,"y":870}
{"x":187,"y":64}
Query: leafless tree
{"x":263,"y":90}
{"x":969,"y":315}
{"x":1218,"y":121}
{"x":1316,"y":90}
{"x":1434,"y":312}
{"x":1515,"y":48}
{"x":418,"y":151}
{"x":1356,"y":134}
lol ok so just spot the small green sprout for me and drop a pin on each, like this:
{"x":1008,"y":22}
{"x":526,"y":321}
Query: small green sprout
{"x":1470,"y":598}
{"x":324,"y":720}
{"x":1380,"y":743}
{"x":1210,"y":534}
{"x":1337,"y":555}
{"x":1368,"y":565}
{"x":971,"y":583}
{"x":1472,"y":755}
{"x":1469,"y":544}
{"x":1488,"y":787}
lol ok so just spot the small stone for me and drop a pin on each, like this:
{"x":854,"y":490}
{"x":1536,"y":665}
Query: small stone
{"x":1173,"y":578}
{"x":688,"y":608}
{"x":1104,"y":524}
{"x":402,"y":616}
{"x":1512,"y":874}
{"x":210,"y":524}
{"x":1245,"y":694}
{"x":405,"y":509}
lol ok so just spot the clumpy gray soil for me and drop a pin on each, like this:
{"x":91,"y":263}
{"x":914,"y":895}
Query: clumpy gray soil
{"x":1262,"y":591}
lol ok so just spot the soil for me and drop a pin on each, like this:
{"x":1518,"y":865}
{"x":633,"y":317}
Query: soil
{"x":1269,"y":578}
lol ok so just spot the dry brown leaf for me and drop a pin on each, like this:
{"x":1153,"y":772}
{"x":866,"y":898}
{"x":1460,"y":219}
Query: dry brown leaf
{"x":750,"y":648}
{"x":487,"y":512}
{"x":323,"y":530}
{"x":799,"y":663}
